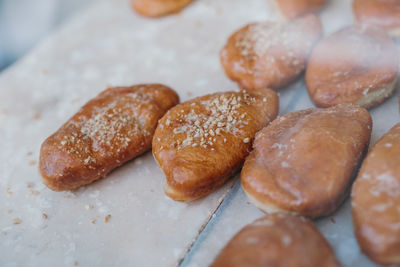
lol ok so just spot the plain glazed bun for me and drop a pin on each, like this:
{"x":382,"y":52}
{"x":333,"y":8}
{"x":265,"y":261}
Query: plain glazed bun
{"x":159,"y":8}
{"x":357,"y":64}
{"x":382,"y":13}
{"x":291,"y":9}
{"x":304,"y":162}
{"x":278,"y":240}
{"x":376,"y":201}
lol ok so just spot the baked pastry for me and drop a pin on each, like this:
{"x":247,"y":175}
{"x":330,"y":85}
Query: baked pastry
{"x":291,"y":9}
{"x":382,"y":13}
{"x":303,"y":163}
{"x":270,"y":54}
{"x":376,"y":201}
{"x":357,"y":64}
{"x":158,"y":8}
{"x":199,"y":144}
{"x":278,"y":240}
{"x":109,"y":130}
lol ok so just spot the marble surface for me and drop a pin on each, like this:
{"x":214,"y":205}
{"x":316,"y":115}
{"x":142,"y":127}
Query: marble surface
{"x":107,"y":44}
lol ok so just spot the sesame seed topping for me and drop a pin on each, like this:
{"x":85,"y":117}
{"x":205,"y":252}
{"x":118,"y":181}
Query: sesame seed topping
{"x":208,"y":121}
{"x":246,"y":140}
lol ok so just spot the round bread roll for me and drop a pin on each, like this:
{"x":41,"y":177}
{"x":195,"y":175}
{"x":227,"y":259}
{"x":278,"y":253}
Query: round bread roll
{"x":270,"y":54}
{"x":291,"y":9}
{"x":279,"y":240}
{"x":158,"y":8}
{"x":354,"y":65}
{"x":303,"y":162}
{"x":376,"y":201}
{"x":201,"y":143}
{"x":382,"y":13}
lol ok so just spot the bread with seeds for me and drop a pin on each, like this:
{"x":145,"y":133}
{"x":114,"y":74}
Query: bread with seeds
{"x":375,"y":201}
{"x":158,"y":8}
{"x":291,"y":9}
{"x":279,"y":240}
{"x":304,"y":162}
{"x":270,"y":54}
{"x":199,"y":144}
{"x":357,"y":64}
{"x":109,"y":130}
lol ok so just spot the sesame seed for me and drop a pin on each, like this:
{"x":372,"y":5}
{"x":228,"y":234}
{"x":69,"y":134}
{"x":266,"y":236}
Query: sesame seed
{"x":246,"y":140}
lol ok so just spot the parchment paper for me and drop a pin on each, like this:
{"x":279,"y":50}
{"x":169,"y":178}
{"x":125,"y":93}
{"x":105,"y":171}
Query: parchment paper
{"x":107,"y":44}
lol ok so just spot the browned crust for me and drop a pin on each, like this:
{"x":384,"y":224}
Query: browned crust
{"x":376,"y":201}
{"x":382,"y":13}
{"x":351,"y":64}
{"x":292,"y":9}
{"x":194,"y":169}
{"x":281,"y":62}
{"x":159,"y":8}
{"x":304,"y":161}
{"x":278,"y":240}
{"x":109,"y":130}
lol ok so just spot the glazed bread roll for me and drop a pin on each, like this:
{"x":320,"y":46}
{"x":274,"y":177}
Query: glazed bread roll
{"x":382,"y":13}
{"x":291,"y":9}
{"x":270,"y":54}
{"x":199,"y":144}
{"x":303,"y":162}
{"x":354,"y":65}
{"x":376,"y":201}
{"x":279,"y":240}
{"x":109,"y":130}
{"x":158,"y":8}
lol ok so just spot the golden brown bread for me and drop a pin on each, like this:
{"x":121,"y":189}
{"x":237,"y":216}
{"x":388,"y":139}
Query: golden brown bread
{"x":376,"y":201}
{"x":382,"y":13}
{"x":304,"y":161}
{"x":199,"y":144}
{"x":109,"y":130}
{"x":292,"y":9}
{"x":279,"y":240}
{"x":357,"y":64}
{"x":270,"y":54}
{"x":158,"y":8}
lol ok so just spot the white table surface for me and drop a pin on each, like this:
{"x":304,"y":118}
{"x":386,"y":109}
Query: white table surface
{"x":108,"y":44}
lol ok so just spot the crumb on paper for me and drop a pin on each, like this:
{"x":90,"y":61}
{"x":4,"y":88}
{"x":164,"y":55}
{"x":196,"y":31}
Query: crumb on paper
{"x":34,"y":192}
{"x":32,"y":162}
{"x":189,"y":94}
{"x":29,"y":153}
{"x":151,"y":190}
{"x":107,"y":218}
{"x":93,"y":221}
{"x":76,"y":263}
{"x":30,"y":185}
{"x":8,"y":190}
{"x":89,"y":206}
{"x":37,"y":116}
{"x":4,"y":233}
{"x":333,"y":221}
{"x":44,"y":216}
{"x":9,"y":211}
{"x":17,"y":221}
